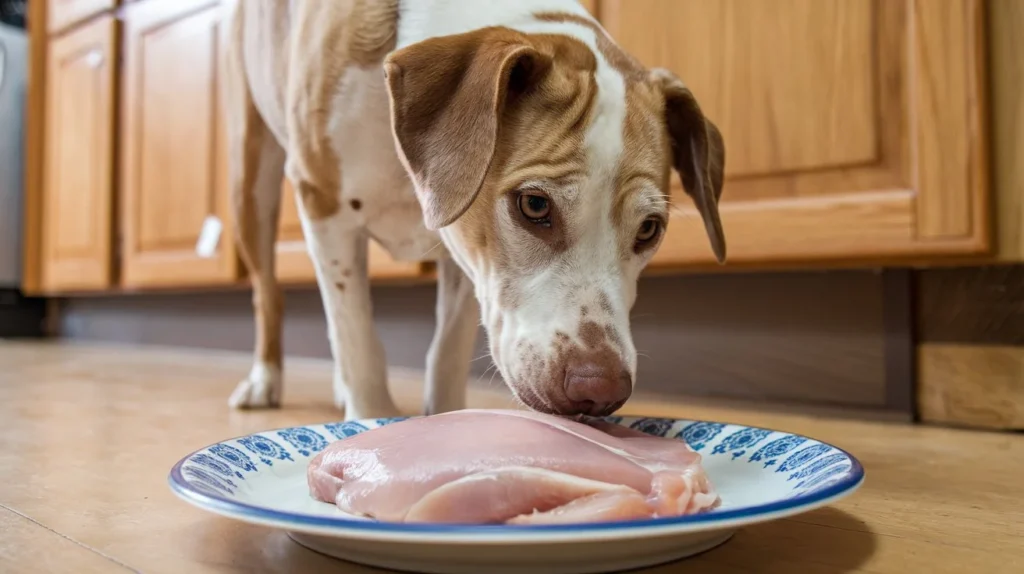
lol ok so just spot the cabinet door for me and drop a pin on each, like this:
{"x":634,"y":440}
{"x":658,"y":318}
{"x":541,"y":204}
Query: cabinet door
{"x":295,"y":266}
{"x":61,"y":14}
{"x":853,"y":128}
{"x":173,"y":153}
{"x":78,"y":159}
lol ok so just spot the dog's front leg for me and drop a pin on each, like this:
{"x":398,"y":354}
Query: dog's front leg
{"x":339,"y":254}
{"x":451,"y":351}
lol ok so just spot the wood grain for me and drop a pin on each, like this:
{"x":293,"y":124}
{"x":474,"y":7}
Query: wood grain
{"x":35,"y":126}
{"x":973,"y":386}
{"x":27,"y":546}
{"x":63,"y":14}
{"x":936,"y":500}
{"x":78,"y":159}
{"x":789,"y":83}
{"x":953,"y":195}
{"x":1006,"y":77}
{"x":971,"y":305}
{"x":173,"y":153}
{"x":864,"y":115}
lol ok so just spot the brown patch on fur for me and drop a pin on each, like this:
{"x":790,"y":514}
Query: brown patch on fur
{"x":346,"y":273}
{"x":592,"y":334}
{"x":318,"y":203}
{"x":623,"y":62}
{"x":342,"y":34}
{"x":334,"y":262}
{"x":340,"y":286}
{"x":584,"y":311}
{"x":535,"y":132}
{"x":646,"y":156}
{"x":356,"y":204}
{"x":376,"y":32}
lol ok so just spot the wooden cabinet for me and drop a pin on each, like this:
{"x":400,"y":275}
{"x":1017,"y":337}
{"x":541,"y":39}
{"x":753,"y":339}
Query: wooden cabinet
{"x":78,"y":159}
{"x":173,"y":160}
{"x":853,"y":128}
{"x":64,"y":13}
{"x":855,"y":133}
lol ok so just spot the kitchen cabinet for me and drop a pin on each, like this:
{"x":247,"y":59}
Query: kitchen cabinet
{"x":856,"y":134}
{"x":78,"y":160}
{"x":854,"y":129}
{"x":62,"y":14}
{"x":175,"y":210}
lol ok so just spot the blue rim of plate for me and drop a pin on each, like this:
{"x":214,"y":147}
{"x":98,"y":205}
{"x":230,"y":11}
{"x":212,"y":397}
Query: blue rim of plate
{"x":850,"y":482}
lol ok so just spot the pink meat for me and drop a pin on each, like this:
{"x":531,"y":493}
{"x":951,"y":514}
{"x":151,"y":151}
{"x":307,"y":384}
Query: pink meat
{"x":504,"y":466}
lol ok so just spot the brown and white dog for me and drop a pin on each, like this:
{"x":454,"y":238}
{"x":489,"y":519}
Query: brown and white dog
{"x":512,"y":141}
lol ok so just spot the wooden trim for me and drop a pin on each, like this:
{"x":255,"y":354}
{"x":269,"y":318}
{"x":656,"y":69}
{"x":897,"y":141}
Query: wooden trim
{"x":971,"y":386}
{"x":69,"y":14}
{"x":971,"y":305}
{"x":35,"y":125}
{"x":1006,"y":73}
{"x":952,"y":168}
{"x":897,"y":317}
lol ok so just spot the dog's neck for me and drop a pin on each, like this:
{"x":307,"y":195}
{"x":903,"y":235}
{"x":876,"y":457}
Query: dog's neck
{"x":422,"y":19}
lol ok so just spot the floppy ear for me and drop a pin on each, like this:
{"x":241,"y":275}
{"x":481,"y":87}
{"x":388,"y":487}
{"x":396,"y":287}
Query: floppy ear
{"x":447,"y":98}
{"x":698,"y":154}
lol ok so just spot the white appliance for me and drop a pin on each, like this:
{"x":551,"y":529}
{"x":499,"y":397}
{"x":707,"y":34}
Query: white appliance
{"x":13,"y":79}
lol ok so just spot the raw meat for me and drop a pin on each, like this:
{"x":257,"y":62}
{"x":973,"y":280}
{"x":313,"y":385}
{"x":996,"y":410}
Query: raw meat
{"x":515,"y":467}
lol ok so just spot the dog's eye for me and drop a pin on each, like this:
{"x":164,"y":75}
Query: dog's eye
{"x":536,"y":208}
{"x":648,"y":230}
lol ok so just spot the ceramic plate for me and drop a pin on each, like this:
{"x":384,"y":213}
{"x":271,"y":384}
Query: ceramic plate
{"x":760,"y":474}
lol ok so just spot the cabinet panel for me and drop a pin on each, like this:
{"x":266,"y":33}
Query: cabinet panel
{"x":78,"y":161}
{"x":852,"y":127}
{"x":63,"y":13}
{"x":174,"y":177}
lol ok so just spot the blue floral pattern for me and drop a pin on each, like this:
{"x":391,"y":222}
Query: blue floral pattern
{"x":267,"y":450}
{"x":216,"y":465}
{"x":770,"y":452}
{"x":802,"y":457}
{"x":817,"y":466}
{"x":345,"y":429}
{"x":738,"y":442}
{"x":233,"y":456}
{"x":385,"y":422}
{"x":306,"y":441}
{"x":698,"y":435}
{"x":651,"y":426}
{"x":209,"y":480}
{"x":822,"y":476}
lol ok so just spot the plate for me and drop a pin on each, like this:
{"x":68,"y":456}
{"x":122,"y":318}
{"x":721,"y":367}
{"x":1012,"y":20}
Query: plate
{"x":760,"y":474}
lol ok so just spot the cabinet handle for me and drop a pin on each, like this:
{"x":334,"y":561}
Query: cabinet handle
{"x":94,"y":59}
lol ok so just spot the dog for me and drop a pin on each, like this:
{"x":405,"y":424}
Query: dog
{"x":514,"y":143}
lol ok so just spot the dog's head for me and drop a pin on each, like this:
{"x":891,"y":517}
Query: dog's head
{"x":545,"y":162}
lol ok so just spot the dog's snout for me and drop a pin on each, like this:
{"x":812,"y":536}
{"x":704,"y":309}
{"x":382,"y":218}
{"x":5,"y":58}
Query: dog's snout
{"x":596,"y":388}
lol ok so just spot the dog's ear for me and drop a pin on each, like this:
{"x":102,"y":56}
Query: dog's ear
{"x":448,"y":95}
{"x":698,"y":154}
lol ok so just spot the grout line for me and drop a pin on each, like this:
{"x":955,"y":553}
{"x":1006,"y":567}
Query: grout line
{"x":68,"y":538}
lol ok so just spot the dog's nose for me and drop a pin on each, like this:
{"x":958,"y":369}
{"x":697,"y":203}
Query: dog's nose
{"x":597,"y":389}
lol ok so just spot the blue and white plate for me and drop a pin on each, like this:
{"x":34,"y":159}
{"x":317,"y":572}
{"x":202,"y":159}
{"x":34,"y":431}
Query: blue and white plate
{"x":760,"y":474}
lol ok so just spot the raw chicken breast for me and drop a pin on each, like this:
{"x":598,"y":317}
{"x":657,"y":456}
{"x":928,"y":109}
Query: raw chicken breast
{"x":515,"y":467}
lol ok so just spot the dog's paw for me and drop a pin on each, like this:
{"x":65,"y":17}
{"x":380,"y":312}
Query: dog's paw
{"x":260,"y":390}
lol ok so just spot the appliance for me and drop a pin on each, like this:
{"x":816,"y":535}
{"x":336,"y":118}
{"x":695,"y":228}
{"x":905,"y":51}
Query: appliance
{"x":13,"y":76}
{"x":19,"y":316}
